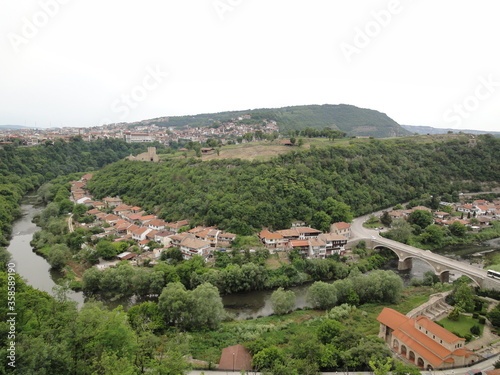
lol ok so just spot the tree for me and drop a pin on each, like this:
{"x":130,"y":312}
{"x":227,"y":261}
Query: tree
{"x":174,"y":304}
{"x":400,"y":231}
{"x":283,"y":301}
{"x":454,"y":314}
{"x":321,"y":221}
{"x":58,"y":256}
{"x":433,"y":234}
{"x":421,"y":218}
{"x":458,"y":229}
{"x":206,"y":308}
{"x":328,"y":330}
{"x":386,"y":219}
{"x":199,"y":309}
{"x":105,"y":249}
{"x":268,"y":358}
{"x":402,"y":369}
{"x":380,"y":367}
{"x":322,"y":295}
{"x":464,"y":298}
{"x":175,"y":253}
{"x":300,"y":143}
{"x":338,"y":211}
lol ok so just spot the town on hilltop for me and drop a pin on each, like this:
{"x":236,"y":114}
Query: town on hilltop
{"x":145,"y":131}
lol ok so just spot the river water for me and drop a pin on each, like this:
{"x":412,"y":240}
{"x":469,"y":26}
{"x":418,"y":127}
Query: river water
{"x":36,"y":271}
{"x":32,"y":267}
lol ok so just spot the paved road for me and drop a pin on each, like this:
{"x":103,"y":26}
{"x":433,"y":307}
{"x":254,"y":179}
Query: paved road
{"x":360,"y":232}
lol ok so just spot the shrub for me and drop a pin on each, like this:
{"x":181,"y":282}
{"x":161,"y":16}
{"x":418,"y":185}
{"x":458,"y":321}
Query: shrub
{"x":475,"y":330}
{"x":454,"y":315}
{"x":482,"y":320}
{"x":475,"y":316}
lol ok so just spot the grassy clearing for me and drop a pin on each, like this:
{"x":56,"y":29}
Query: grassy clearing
{"x":461,"y":326}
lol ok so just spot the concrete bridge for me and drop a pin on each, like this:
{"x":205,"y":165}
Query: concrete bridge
{"x":441,"y":265}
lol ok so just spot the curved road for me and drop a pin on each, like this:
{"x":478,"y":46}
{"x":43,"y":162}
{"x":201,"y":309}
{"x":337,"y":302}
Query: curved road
{"x":359,"y":232}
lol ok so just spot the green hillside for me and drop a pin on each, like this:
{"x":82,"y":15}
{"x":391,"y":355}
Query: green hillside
{"x":317,"y":185}
{"x":347,"y":118}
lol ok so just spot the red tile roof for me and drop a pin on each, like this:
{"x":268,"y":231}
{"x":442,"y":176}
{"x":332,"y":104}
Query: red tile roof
{"x":270,"y":236}
{"x":299,"y":243}
{"x":236,"y":358}
{"x":342,"y":225}
{"x":406,"y":331}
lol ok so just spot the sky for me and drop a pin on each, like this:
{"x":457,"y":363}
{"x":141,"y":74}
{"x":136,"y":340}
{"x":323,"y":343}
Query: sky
{"x":86,"y":63}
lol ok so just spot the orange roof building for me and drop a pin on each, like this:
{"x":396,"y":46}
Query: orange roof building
{"x":423,"y":342}
{"x":235,"y":358}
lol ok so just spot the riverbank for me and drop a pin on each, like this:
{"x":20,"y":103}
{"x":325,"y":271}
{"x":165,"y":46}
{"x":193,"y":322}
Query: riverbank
{"x":30,"y":266}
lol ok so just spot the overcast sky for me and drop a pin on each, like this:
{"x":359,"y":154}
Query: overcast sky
{"x":84,"y":63}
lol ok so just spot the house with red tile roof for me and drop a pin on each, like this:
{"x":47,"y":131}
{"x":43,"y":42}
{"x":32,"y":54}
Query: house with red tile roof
{"x":174,"y":227}
{"x":121,"y":208}
{"x":341,"y":228}
{"x":272,"y":240}
{"x":191,"y":246}
{"x":289,"y":234}
{"x":306,"y":232}
{"x":227,"y":237}
{"x":157,"y":224}
{"x":112,"y":202}
{"x":423,"y":342}
{"x":335,"y":243}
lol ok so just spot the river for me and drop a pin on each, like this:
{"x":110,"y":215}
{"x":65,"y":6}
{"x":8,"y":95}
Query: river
{"x":30,"y":266}
{"x":36,"y":271}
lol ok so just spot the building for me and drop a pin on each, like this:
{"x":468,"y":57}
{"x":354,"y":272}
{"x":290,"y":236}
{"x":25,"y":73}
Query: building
{"x":193,"y":246}
{"x":344,"y":229}
{"x":235,"y":358}
{"x":423,"y":342}
{"x":130,"y":137}
{"x":150,"y":155}
{"x":272,"y":240}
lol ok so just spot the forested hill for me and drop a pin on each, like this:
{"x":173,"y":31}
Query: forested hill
{"x":346,"y":118}
{"x":25,"y":168}
{"x":311,"y":185}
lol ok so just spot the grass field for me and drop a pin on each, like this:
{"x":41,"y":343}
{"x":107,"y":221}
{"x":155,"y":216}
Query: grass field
{"x":266,"y":150}
{"x":461,"y":326}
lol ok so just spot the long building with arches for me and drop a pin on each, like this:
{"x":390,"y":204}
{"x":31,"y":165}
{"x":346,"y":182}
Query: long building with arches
{"x":423,"y":342}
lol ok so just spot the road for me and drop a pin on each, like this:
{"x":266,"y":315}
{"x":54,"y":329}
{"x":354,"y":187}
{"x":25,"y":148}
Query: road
{"x":359,"y":232}
{"x":70,"y":223}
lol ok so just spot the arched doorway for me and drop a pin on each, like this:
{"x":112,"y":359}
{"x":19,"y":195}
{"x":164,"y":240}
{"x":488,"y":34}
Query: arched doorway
{"x":420,"y":362}
{"x":411,"y":356}
{"x":403,"y":350}
{"x":430,"y":368}
{"x":396,"y":345}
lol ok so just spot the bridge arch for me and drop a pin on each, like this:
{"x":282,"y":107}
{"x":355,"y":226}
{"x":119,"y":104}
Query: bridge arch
{"x":441,"y":270}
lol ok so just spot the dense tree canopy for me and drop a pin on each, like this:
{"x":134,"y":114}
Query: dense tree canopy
{"x":312,"y":185}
